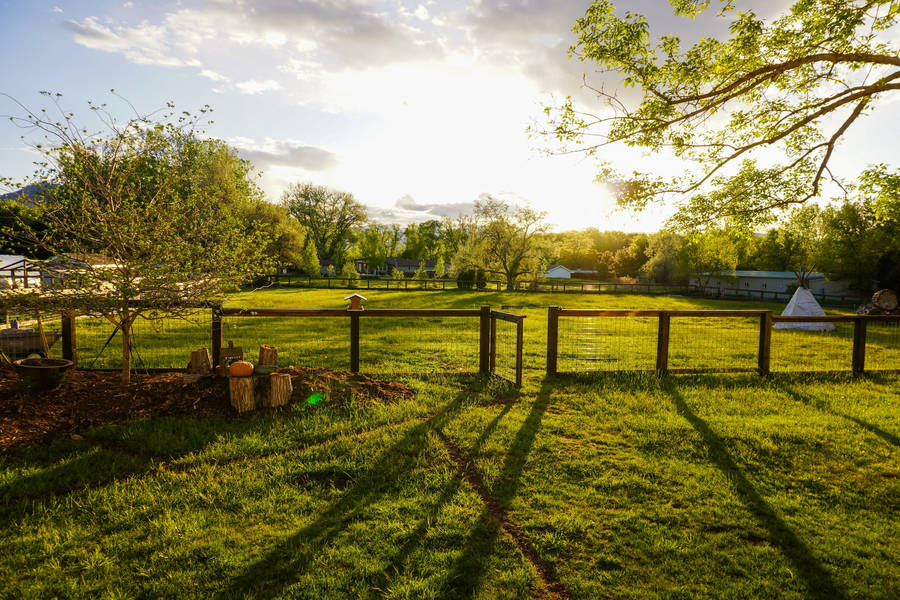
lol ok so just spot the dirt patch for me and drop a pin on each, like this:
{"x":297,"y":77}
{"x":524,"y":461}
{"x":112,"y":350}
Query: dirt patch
{"x":86,"y":399}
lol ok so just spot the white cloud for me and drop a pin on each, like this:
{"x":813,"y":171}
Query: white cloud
{"x":213,"y":76}
{"x":284,"y":153}
{"x":144,"y":44}
{"x":56,"y":9}
{"x":257,"y":86}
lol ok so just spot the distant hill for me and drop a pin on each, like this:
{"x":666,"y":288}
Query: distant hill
{"x":26,"y":194}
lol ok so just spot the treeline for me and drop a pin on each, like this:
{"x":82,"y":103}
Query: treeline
{"x":856,"y":240}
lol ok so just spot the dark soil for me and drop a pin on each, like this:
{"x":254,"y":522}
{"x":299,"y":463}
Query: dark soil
{"x":86,"y":399}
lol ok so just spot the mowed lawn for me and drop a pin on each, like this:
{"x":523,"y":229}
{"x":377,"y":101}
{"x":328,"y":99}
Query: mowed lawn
{"x":621,"y":486}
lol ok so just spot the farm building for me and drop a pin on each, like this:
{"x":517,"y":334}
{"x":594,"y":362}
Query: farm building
{"x":561,"y":272}
{"x":767,"y":281}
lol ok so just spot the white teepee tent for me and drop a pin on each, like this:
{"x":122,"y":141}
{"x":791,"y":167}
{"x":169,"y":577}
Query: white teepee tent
{"x":803,"y":304}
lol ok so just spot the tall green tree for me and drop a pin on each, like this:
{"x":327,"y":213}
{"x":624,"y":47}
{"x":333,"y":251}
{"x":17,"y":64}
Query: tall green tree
{"x":151,"y":196}
{"x":329,"y":216}
{"x":506,"y":241}
{"x":796,"y":84}
{"x":377,"y":242}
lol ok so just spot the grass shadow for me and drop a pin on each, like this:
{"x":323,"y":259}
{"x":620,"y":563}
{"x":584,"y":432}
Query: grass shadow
{"x":469,"y":569}
{"x":396,"y":564}
{"x":824,"y":407}
{"x":290,"y":559}
{"x":818,"y":580}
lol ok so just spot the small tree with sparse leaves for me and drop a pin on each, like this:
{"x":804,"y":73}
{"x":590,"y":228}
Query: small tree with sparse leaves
{"x":153,"y":199}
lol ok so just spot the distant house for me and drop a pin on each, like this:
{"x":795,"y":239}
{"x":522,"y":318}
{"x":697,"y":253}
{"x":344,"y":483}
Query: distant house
{"x":561,"y":272}
{"x":324,"y":263}
{"x":407,"y":266}
{"x":766,"y":281}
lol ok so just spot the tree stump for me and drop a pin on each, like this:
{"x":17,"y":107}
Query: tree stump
{"x":268,"y":355}
{"x":241,"y":393}
{"x":201,"y":363}
{"x":279,"y":389}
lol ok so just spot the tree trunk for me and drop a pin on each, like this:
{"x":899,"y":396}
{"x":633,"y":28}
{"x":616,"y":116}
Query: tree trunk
{"x":126,"y":351}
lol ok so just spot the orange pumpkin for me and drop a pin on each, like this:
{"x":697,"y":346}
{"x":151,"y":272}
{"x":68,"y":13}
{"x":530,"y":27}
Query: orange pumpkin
{"x":240,"y":368}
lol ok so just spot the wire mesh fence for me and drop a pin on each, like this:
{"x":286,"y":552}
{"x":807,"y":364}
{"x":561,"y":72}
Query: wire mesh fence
{"x":505,"y":354}
{"x":596,"y":343}
{"x":158,"y":340}
{"x":883,"y":345}
{"x":419,"y":344}
{"x":307,"y":341}
{"x":822,"y":346}
{"x":713,"y":343}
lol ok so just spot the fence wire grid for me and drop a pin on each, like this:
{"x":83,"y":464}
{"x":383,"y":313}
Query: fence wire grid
{"x":796,"y":350}
{"x":589,"y":344}
{"x":391,"y":345}
{"x":721,"y":343}
{"x":306,"y":341}
{"x":158,"y":340}
{"x":504,"y":355}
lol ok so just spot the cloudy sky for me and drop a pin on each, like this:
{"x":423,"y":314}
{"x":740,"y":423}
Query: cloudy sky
{"x":417,"y":107}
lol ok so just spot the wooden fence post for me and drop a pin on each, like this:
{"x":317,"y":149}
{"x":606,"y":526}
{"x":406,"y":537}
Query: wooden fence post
{"x":69,"y":343}
{"x":354,"y":341}
{"x":552,"y":338}
{"x":484,"y":358}
{"x":520,"y":343}
{"x":662,"y":344}
{"x":493,"y":344}
{"x":216,"y":335}
{"x":765,"y":343}
{"x":859,"y":345}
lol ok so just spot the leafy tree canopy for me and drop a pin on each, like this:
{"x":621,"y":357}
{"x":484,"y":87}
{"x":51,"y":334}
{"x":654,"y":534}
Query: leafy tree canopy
{"x":795,"y":84}
{"x":329,"y":216}
{"x":151,"y":197}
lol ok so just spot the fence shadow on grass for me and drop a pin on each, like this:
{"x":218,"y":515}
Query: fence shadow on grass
{"x":396,"y":564}
{"x":289,"y":560}
{"x":827,"y":408}
{"x":471,"y":566}
{"x":818,"y":579}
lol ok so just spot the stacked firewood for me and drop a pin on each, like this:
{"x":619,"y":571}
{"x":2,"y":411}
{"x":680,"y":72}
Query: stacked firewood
{"x":884,"y":302}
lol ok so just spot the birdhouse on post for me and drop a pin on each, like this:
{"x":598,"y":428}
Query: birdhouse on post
{"x":355,"y":301}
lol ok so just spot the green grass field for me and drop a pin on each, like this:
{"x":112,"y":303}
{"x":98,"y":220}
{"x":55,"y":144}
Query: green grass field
{"x":627,"y":486}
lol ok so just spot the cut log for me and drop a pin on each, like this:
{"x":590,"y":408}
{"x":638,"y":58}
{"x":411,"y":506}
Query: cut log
{"x":261,"y":389}
{"x":885,"y":300}
{"x":268,"y":355}
{"x":241,"y":393}
{"x":280,"y":389}
{"x":201,"y":363}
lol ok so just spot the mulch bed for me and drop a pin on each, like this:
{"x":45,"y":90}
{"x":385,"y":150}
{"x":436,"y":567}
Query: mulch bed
{"x":86,"y":399}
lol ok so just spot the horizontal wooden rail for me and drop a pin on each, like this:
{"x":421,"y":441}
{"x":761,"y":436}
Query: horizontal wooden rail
{"x":420,"y":312}
{"x":285,"y":312}
{"x":588,"y":312}
{"x":505,"y":316}
{"x":836,"y":319}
